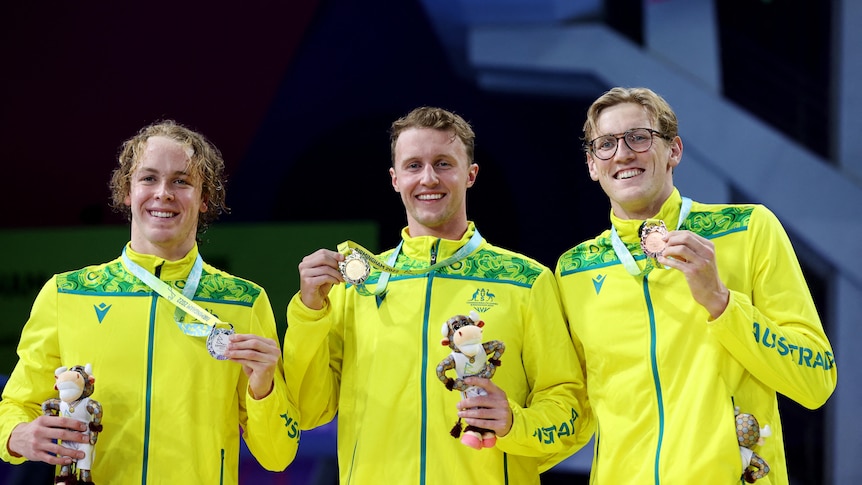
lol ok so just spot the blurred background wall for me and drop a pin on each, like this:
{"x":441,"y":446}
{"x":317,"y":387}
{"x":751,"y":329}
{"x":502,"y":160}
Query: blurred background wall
{"x":299,"y":97}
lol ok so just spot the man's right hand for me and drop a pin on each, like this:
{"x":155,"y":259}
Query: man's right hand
{"x":317,"y":273}
{"x":37,"y":440}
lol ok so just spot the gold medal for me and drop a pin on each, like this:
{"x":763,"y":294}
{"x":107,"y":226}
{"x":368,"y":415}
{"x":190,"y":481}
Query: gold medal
{"x":355,"y":268}
{"x":652,"y":238}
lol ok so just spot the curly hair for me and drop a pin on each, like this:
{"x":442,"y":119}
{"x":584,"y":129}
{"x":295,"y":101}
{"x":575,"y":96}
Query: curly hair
{"x":206,"y":161}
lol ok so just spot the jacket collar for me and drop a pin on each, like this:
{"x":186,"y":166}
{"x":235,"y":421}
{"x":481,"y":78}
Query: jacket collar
{"x":628,"y":229}
{"x":170,"y":270}
{"x":421,"y":247}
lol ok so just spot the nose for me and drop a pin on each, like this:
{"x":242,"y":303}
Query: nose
{"x":623,"y":150}
{"x":164,"y":192}
{"x":429,"y":176}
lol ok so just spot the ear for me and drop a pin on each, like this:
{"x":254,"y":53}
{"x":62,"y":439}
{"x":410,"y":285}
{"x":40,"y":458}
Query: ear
{"x":394,"y":179}
{"x":675,"y":155}
{"x":591,"y":166}
{"x":444,"y":342}
{"x":472,"y":171}
{"x":480,"y":324}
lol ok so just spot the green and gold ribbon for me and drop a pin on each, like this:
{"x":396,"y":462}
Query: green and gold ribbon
{"x":358,"y":262}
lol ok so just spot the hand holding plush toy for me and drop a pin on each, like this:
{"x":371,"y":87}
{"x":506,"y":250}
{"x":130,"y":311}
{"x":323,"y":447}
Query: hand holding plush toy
{"x":76,"y":386}
{"x":469,"y":357}
{"x":749,"y":433}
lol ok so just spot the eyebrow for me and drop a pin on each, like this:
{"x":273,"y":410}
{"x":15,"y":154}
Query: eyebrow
{"x":153,"y":170}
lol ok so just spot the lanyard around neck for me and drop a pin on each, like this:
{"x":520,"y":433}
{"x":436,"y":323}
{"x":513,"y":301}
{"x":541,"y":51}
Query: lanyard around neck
{"x":183,"y":301}
{"x":625,"y":256}
{"x":388,"y":268}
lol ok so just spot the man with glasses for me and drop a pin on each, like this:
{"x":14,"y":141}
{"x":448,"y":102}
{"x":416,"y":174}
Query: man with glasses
{"x":684,"y":314}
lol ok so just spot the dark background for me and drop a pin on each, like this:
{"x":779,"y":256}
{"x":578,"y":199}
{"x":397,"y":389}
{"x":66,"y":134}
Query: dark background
{"x":299,"y":97}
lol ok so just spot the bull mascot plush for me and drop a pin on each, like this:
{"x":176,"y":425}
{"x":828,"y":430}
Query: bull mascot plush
{"x":750,"y":434}
{"x":76,"y":386}
{"x":469,"y":357}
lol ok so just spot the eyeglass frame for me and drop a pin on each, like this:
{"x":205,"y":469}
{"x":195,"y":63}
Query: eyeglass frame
{"x":589,"y":145}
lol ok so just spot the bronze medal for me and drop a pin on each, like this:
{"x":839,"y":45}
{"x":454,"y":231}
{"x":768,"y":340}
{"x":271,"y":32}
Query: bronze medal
{"x":652,"y":238}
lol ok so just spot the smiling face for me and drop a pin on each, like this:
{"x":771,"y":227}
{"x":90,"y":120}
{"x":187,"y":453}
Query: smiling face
{"x":637,"y":184}
{"x":432,"y":172}
{"x":165,"y":200}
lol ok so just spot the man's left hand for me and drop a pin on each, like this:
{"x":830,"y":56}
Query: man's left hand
{"x":259,"y":358}
{"x":491,"y":411}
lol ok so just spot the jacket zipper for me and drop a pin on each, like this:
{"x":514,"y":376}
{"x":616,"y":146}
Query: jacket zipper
{"x":656,"y":379}
{"x":148,"y":409}
{"x":423,"y":458}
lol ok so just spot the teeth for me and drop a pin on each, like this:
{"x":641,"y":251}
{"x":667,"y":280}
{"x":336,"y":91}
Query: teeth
{"x":430,"y":196}
{"x":161,"y":214}
{"x":627,"y":174}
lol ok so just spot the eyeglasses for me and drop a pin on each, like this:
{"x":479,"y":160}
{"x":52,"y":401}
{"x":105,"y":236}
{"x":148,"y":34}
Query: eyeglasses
{"x":637,"y":139}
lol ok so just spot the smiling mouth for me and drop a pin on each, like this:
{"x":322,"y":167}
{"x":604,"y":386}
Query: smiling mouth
{"x":627,"y":174}
{"x":162,"y":214}
{"x":429,"y":196}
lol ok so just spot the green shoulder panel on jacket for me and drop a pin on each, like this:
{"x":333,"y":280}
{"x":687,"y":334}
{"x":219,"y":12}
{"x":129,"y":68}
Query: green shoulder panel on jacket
{"x":710,"y":224}
{"x":106,"y":278}
{"x":590,"y":254}
{"x":497,"y":265}
{"x":713,"y":224}
{"x":112,"y":277}
{"x":222,"y":286}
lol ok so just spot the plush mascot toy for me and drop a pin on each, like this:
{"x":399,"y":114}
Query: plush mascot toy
{"x":469,"y":357}
{"x":750,"y":434}
{"x":76,"y":386}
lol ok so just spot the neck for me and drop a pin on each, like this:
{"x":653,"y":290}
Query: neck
{"x":642,"y":214}
{"x":167,"y":252}
{"x":641,"y":211}
{"x":453,"y":232}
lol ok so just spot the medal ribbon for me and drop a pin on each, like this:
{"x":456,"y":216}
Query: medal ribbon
{"x":183,"y":301}
{"x":388,"y":269}
{"x":625,"y":256}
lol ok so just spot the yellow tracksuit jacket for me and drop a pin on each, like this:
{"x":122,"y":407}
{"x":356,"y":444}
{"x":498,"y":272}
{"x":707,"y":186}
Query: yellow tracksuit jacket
{"x":172,"y":412}
{"x":373,"y":362}
{"x":663,"y":378}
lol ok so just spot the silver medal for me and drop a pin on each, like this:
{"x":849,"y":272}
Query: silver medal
{"x":218,"y":340}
